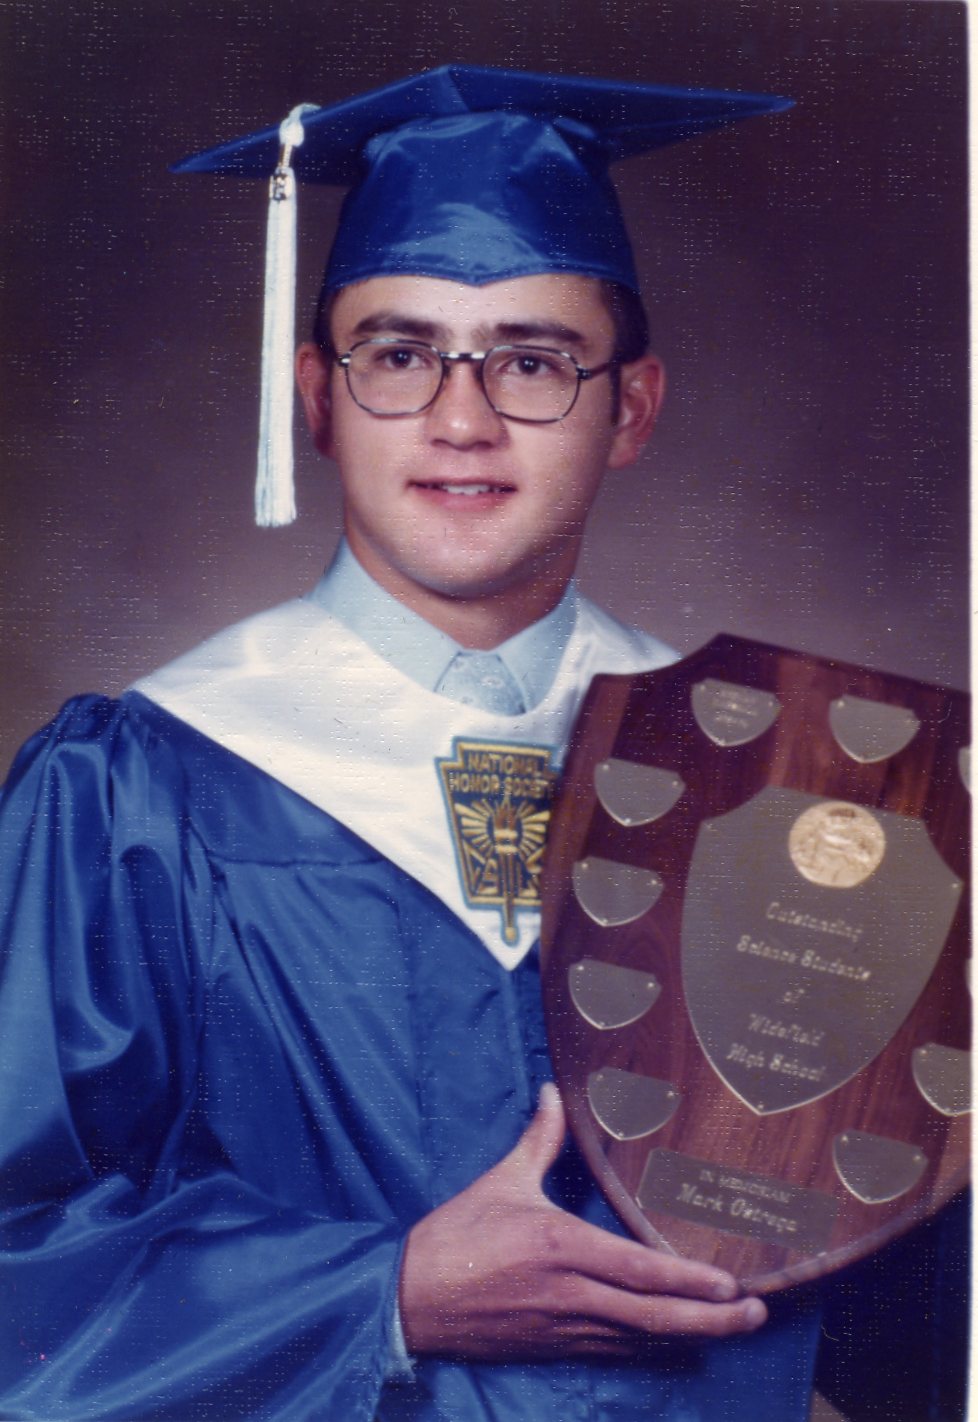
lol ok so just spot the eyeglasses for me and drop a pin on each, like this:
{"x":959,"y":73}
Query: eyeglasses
{"x":386,"y":376}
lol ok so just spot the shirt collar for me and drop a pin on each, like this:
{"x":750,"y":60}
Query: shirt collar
{"x":422,"y":652}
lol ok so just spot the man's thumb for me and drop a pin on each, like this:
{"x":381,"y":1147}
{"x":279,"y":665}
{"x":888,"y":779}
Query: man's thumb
{"x":539,"y":1145}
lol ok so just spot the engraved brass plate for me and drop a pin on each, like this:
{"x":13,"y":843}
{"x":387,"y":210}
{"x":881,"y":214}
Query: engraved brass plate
{"x":733,"y":715}
{"x":736,"y":1201}
{"x":635,"y":794}
{"x":630,"y":1106}
{"x":794,"y":986}
{"x":943,"y":1077}
{"x":874,"y":1168}
{"x":609,"y":996}
{"x":613,"y":893}
{"x":871,"y":730}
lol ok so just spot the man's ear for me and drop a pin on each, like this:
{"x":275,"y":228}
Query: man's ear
{"x":643,"y":384}
{"x":312,"y":375}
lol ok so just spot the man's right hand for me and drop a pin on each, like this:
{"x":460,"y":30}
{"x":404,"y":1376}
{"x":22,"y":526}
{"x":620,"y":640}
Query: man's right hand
{"x":499,"y":1272}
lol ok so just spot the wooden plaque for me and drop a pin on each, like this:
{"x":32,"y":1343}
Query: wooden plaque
{"x":755,"y":955}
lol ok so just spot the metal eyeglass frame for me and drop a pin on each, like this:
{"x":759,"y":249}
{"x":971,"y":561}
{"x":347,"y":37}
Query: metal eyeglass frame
{"x":476,"y":358}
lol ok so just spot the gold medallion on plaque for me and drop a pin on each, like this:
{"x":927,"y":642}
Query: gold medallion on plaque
{"x":498,"y":798}
{"x":835,"y":844}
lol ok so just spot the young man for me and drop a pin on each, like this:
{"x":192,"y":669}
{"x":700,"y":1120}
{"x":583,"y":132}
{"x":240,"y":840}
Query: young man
{"x":282,"y":1143}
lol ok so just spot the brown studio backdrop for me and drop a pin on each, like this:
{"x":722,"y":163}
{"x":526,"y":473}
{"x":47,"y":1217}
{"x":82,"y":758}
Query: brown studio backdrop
{"x":805,"y":275}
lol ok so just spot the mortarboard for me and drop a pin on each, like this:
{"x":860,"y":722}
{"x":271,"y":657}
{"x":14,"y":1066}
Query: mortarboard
{"x":470,"y":174}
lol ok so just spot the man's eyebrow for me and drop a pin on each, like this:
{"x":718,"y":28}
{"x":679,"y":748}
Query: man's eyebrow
{"x":397,"y":323}
{"x":533,"y":332}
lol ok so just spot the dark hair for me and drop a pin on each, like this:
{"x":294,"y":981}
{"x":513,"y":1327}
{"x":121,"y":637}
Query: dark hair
{"x":631,"y":327}
{"x":631,"y":324}
{"x":321,"y":334}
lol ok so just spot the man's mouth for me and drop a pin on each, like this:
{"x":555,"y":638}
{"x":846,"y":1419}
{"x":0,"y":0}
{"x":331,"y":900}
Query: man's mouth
{"x":444,"y":486}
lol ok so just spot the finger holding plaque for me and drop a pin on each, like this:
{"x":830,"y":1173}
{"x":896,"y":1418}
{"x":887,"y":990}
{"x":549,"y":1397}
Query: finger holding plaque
{"x":766,"y":1061}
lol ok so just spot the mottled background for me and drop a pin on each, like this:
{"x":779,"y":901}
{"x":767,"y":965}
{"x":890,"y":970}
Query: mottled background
{"x":805,"y":276}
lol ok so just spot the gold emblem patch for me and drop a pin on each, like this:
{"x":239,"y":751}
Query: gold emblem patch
{"x":498,"y":799}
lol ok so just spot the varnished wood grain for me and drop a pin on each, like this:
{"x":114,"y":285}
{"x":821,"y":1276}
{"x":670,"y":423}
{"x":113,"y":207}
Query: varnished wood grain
{"x":648,"y":718}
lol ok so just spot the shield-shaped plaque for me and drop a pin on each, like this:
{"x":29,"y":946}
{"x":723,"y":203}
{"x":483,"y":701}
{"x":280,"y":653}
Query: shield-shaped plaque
{"x":775,"y":1076}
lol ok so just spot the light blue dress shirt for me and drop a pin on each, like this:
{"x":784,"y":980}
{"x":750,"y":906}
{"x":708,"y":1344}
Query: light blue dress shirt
{"x":421,"y":651}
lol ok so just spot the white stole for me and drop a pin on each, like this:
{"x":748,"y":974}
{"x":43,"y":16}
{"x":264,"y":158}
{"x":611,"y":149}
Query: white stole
{"x":297,"y":694}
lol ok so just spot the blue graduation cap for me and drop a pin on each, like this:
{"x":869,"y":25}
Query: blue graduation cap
{"x":470,"y":174}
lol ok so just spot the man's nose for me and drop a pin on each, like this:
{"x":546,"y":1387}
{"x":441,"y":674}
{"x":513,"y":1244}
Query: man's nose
{"x":461,"y":413}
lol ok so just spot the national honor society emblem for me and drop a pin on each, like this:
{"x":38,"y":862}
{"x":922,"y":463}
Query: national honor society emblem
{"x":498,"y":799}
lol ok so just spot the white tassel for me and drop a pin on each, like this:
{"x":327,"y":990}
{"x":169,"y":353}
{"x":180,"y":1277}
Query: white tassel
{"x":274,"y":488}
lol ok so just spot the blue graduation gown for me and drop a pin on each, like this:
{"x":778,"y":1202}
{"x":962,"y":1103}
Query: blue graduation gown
{"x":242,"y":1054}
